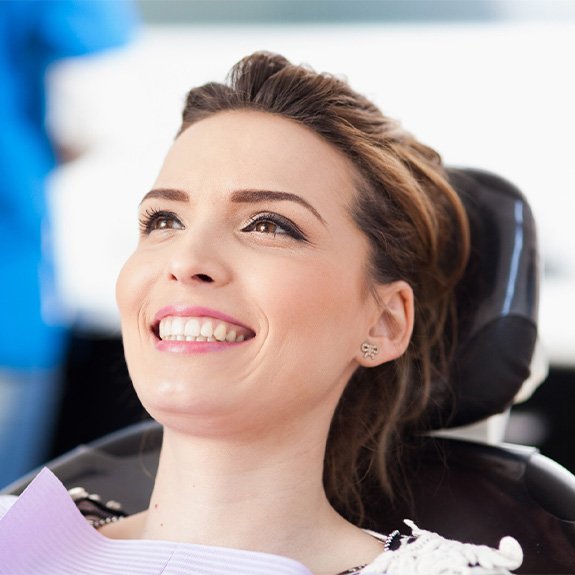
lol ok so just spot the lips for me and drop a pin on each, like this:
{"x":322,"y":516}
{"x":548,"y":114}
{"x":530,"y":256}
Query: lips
{"x":195,"y":324}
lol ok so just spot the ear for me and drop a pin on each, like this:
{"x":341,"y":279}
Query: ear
{"x":392,"y":326}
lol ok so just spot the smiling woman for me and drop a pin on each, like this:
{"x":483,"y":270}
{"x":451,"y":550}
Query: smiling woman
{"x":262,"y":245}
{"x":287,"y":316}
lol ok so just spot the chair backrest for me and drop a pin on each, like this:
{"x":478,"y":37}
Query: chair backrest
{"x":480,"y":493}
{"x":119,"y":466}
{"x":463,"y":490}
{"x":497,"y":299}
{"x":472,"y":491}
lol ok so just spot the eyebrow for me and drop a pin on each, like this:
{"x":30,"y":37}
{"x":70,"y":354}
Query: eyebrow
{"x":253,"y":196}
{"x":239,"y":196}
{"x":166,"y":194}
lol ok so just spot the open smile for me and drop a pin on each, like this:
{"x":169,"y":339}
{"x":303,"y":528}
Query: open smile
{"x":177,"y":327}
{"x":200,"y":329}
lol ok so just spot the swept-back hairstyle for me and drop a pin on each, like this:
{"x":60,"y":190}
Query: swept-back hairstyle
{"x":418,"y":232}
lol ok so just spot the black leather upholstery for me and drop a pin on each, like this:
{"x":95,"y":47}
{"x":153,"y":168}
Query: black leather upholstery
{"x":480,"y":493}
{"x":497,"y":299}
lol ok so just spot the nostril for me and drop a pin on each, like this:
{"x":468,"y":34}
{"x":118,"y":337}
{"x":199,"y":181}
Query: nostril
{"x":203,"y":278}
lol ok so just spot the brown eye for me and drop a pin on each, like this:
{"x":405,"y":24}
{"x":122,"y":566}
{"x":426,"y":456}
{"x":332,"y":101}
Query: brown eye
{"x":266,"y":227}
{"x":274,"y":225}
{"x":159,"y":220}
{"x":165,"y":224}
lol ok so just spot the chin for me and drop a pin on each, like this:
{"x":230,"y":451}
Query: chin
{"x":169,"y":400}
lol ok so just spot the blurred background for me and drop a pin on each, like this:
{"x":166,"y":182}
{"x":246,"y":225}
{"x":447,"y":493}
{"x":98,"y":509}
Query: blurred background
{"x":488,"y":83}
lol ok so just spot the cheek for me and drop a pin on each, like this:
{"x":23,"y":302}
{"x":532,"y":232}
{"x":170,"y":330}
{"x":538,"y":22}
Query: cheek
{"x":315,"y":307}
{"x":123,"y":288}
{"x":311,"y":346}
{"x":132,"y":292}
{"x":132,"y":287}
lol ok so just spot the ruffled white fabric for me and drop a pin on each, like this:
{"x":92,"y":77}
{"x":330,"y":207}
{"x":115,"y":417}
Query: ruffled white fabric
{"x":427,"y":553}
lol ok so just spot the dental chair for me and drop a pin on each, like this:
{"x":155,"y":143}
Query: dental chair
{"x":473,"y":491}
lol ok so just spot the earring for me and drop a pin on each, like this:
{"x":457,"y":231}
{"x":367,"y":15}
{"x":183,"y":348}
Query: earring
{"x":369,"y":350}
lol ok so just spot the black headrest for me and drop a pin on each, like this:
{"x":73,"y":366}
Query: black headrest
{"x":497,"y":299}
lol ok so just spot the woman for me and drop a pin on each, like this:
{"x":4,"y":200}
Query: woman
{"x":286,"y":318}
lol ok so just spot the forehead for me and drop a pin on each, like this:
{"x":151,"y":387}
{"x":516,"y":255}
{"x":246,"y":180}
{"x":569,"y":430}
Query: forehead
{"x":247,"y":149}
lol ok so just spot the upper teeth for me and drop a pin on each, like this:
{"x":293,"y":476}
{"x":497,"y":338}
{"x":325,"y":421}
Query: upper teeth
{"x":200,"y":329}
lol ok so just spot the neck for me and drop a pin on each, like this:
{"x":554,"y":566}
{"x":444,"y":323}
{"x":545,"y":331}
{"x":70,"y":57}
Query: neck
{"x":251,"y":495}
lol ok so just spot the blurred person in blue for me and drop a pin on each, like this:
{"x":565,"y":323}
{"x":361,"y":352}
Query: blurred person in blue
{"x":34,"y":36}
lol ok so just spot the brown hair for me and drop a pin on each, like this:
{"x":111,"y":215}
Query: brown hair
{"x":418,"y":232}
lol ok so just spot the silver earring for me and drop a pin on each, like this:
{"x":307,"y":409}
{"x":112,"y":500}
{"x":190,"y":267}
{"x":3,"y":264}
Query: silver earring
{"x":369,"y":350}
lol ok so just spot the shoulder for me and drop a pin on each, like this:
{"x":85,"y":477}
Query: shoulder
{"x":430,"y":553}
{"x":6,"y":501}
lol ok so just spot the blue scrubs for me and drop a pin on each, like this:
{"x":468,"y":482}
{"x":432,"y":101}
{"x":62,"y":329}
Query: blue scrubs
{"x":34,"y":35}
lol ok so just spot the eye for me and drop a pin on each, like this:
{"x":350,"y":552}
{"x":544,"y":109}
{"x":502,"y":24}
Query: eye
{"x":275,"y":225}
{"x":267,"y":227}
{"x":153,"y":220}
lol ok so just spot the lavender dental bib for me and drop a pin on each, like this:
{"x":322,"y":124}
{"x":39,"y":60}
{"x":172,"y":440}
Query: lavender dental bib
{"x":43,"y":533}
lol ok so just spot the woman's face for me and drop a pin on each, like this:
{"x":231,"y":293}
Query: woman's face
{"x":245,"y":302}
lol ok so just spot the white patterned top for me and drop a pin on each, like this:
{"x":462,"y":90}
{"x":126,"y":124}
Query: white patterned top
{"x":427,"y":553}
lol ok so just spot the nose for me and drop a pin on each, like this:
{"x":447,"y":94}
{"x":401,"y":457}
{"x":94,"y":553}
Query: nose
{"x":199,"y":259}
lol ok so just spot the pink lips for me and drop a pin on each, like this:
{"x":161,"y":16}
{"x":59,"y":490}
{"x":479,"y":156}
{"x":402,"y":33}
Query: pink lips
{"x":189,"y":347}
{"x":195,"y":311}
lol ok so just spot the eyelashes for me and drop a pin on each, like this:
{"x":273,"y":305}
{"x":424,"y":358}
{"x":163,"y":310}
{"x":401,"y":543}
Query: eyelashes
{"x":268,"y":223}
{"x":275,"y":225}
{"x":154,"y":219}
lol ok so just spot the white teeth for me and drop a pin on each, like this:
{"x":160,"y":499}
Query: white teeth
{"x":192,"y":327}
{"x":176,"y":328}
{"x":207,"y":329}
{"x":220,"y":332}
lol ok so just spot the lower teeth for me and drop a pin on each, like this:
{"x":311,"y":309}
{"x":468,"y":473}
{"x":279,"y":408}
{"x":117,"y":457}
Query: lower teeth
{"x":192,"y":338}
